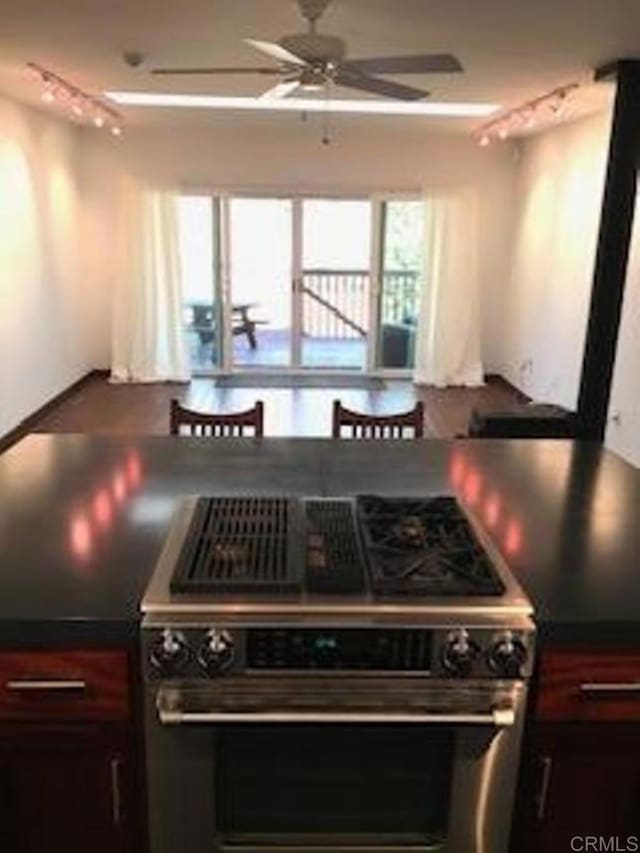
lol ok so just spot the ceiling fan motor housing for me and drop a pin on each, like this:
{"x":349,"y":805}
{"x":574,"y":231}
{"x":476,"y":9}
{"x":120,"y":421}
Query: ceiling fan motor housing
{"x":312,"y":9}
{"x":314,"y":47}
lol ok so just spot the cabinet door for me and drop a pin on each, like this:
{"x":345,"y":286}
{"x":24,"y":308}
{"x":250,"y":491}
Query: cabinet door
{"x":579,"y":780}
{"x":63,"y":789}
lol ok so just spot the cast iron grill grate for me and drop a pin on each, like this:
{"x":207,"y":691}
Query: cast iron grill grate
{"x":334,"y":555}
{"x":240,"y":544}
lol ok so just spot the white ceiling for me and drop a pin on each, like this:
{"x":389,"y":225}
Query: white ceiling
{"x":512,"y":50}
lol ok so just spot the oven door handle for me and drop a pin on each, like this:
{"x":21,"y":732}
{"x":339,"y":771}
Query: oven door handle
{"x":496,"y":717}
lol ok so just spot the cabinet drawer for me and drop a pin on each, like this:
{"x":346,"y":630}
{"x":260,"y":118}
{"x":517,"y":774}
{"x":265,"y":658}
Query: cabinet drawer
{"x":69,"y":685}
{"x":588,"y":686}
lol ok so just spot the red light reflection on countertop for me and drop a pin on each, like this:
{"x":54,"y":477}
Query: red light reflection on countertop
{"x":103,"y":509}
{"x":457,"y":469}
{"x":492,"y":509}
{"x":470,"y":482}
{"x":133,"y":469}
{"x":513,"y":537}
{"x":472,"y":487}
{"x":81,"y":538}
{"x":98,"y":513}
{"x":119,"y":486}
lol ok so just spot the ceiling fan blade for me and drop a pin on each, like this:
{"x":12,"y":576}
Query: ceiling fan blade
{"x":378,"y":87}
{"x":276,"y":51}
{"x":216,"y":71}
{"x":280,"y":90}
{"x":428,"y":63}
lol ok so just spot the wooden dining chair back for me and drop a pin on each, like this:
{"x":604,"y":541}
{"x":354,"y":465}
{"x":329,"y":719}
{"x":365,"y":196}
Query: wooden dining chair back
{"x":359,"y":425}
{"x":229,"y":425}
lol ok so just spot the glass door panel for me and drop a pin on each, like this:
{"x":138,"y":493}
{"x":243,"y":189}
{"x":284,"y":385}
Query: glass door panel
{"x":336,"y":257}
{"x":260,"y":281}
{"x":198,"y":244}
{"x":339,"y":786}
{"x":401,"y":277}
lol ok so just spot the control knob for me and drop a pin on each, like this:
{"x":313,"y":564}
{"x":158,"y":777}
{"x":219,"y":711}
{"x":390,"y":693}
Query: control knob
{"x":170,"y":654}
{"x":459,"y":653}
{"x":507,"y":655}
{"x":216,"y":652}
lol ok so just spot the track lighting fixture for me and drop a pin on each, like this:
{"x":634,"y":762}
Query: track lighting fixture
{"x":82,"y":106}
{"x":526,"y":116}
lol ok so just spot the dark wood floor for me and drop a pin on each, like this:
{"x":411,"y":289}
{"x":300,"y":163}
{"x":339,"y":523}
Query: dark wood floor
{"x":100,"y":407}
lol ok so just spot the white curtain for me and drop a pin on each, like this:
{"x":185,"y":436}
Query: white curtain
{"x":448,"y":334}
{"x":148,"y":342}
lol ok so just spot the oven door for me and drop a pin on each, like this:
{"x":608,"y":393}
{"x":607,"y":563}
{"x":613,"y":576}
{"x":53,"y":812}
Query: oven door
{"x":333,"y":765}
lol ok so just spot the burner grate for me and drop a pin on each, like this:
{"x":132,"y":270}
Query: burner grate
{"x":424,"y":547}
{"x":239,"y":545}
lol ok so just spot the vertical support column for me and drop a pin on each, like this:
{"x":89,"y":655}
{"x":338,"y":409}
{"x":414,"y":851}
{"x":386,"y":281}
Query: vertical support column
{"x":616,"y":221}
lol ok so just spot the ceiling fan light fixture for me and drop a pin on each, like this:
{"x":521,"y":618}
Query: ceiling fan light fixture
{"x":320,"y":58}
{"x":312,"y":79}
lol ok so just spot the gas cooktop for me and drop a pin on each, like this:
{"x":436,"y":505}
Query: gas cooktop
{"x":379,"y":546}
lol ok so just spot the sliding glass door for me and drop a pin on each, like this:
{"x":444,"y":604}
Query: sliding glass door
{"x":200,"y":260}
{"x":336,"y":258}
{"x":401,"y":258}
{"x":261,"y":276}
{"x":301,"y":283}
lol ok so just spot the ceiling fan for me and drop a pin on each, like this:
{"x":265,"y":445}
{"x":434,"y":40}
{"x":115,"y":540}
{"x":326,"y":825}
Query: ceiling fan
{"x":310,"y":61}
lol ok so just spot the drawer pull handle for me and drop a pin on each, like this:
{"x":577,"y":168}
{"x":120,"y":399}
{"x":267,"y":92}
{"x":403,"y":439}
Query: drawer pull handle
{"x":547,"y":766}
{"x":47,"y":686}
{"x":116,"y":797}
{"x":597,"y":688}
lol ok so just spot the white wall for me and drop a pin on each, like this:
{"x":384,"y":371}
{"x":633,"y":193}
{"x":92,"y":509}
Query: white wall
{"x":285,"y":154}
{"x":623,"y":429}
{"x":47,"y":337}
{"x":558,"y":194}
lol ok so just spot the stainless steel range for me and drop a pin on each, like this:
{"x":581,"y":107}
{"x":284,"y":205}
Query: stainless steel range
{"x":333,"y":674}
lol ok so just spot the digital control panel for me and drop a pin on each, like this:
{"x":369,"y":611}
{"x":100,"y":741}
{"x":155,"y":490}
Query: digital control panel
{"x":210,"y":652}
{"x":339,"y":648}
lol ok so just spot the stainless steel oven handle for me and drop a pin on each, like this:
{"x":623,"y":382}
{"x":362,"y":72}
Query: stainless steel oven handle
{"x":497,"y":717}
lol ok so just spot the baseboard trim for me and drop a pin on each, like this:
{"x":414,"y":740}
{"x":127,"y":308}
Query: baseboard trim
{"x":498,"y":379}
{"x":25,"y":426}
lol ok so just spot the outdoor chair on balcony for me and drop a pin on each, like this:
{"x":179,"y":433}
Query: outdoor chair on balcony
{"x":398,"y":344}
{"x":359,"y":425}
{"x":229,"y":425}
{"x":203,"y":323}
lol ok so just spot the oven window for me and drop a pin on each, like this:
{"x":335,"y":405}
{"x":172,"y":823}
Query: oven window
{"x":340,"y":784}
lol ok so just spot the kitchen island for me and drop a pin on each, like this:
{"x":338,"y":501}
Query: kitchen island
{"x":84,"y":518}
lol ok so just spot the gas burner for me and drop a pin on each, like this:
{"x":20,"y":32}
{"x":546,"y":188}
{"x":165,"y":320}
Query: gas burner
{"x":424,"y":547}
{"x":410,"y":531}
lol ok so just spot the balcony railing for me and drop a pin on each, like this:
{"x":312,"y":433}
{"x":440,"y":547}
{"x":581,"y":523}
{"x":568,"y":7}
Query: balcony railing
{"x":335,"y":302}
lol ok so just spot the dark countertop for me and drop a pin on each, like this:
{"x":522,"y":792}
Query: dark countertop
{"x":83,"y":519}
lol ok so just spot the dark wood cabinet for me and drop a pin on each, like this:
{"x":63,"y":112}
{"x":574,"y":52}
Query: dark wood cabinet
{"x":581,"y":756}
{"x":579,"y":780}
{"x":65,"y":788}
{"x":69,"y":778}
